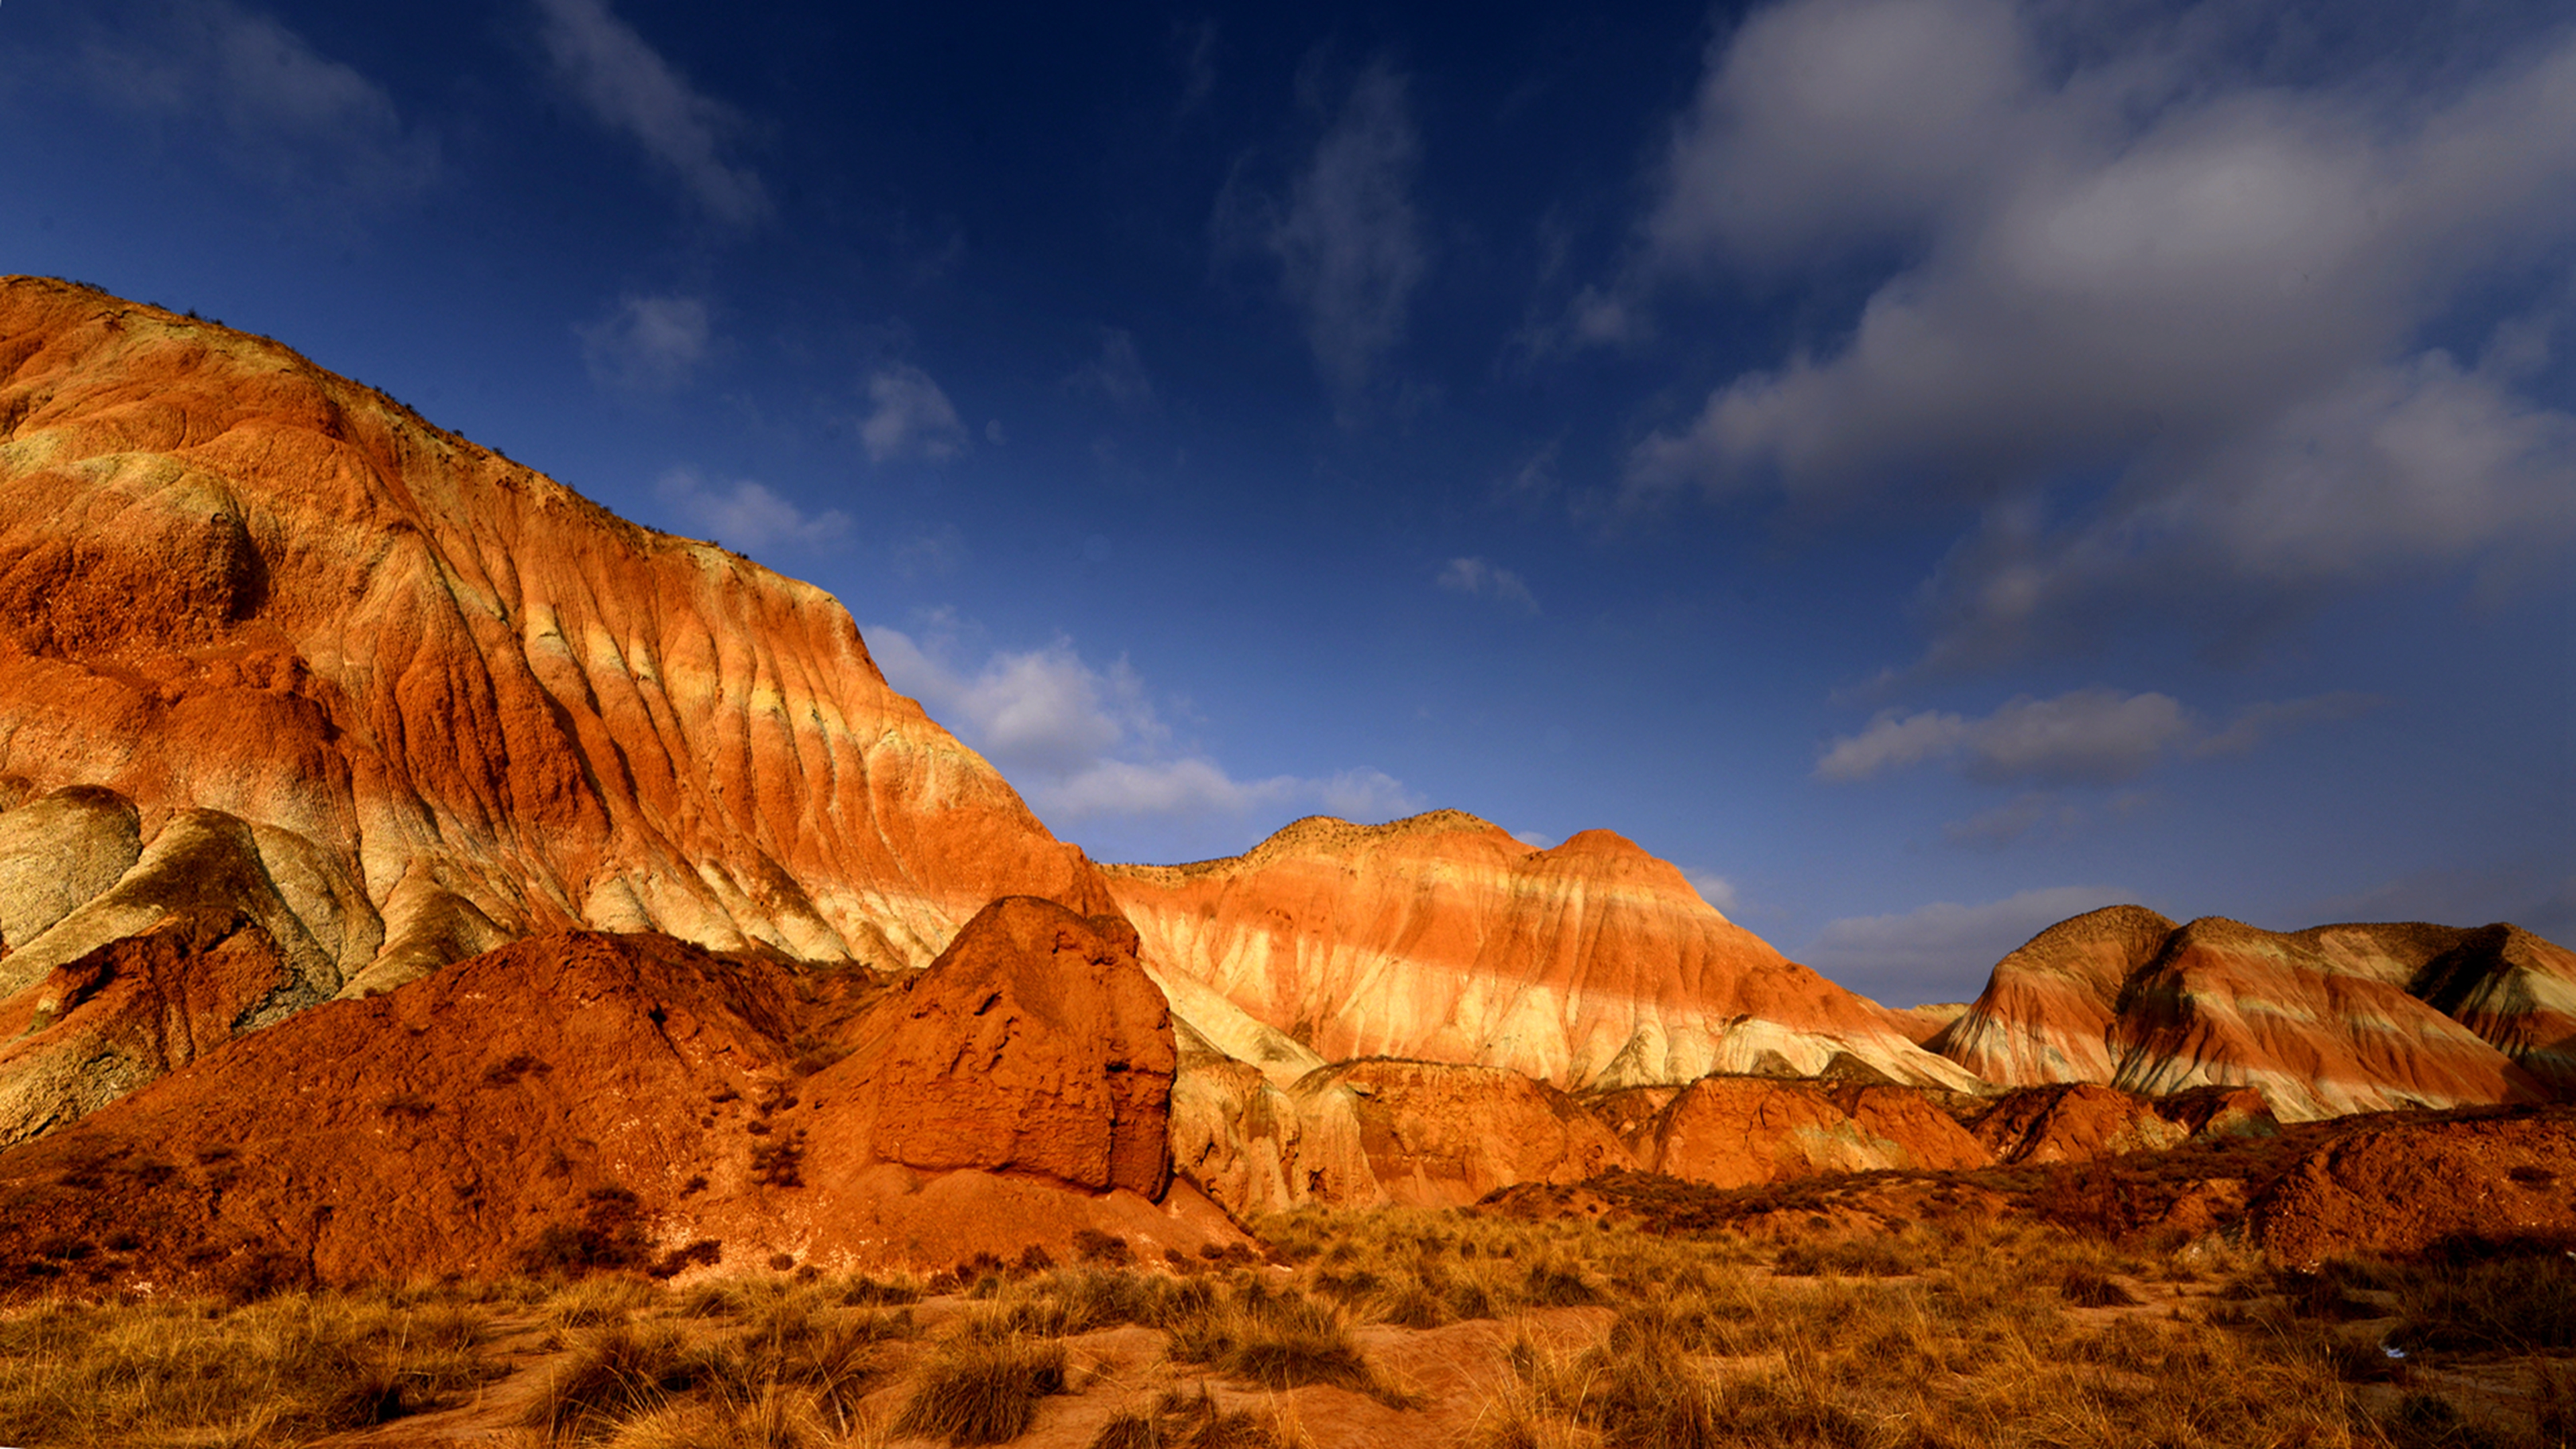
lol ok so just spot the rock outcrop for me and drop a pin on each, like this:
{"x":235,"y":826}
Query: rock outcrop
{"x":1034,"y":1045}
{"x":2335,"y":1019}
{"x":1441,"y":938}
{"x":1748,"y":1131}
{"x":1363,"y":1133}
{"x":2073,"y":1122}
{"x":2406,"y":1187}
{"x":407,"y":700}
{"x":631,"y":1101}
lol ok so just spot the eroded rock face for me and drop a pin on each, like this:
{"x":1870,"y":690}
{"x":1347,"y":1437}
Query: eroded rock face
{"x":2046,"y":1013}
{"x":636,"y":1086}
{"x":1441,"y":1135}
{"x":447,"y":701}
{"x":2335,"y":1019}
{"x":1747,"y":1131}
{"x":2073,"y":1122}
{"x":2406,"y":1187}
{"x":1441,"y":938}
{"x":1034,"y":1045}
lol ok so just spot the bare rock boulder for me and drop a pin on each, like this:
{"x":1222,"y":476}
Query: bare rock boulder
{"x":1033,"y":1045}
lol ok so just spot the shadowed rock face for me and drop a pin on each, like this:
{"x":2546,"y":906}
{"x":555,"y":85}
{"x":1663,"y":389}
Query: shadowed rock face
{"x":2335,"y":1019}
{"x":418,"y":699}
{"x":636,"y":1086}
{"x":1443,"y":939}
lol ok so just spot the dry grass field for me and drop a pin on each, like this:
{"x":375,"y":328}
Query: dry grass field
{"x":1410,"y":1328}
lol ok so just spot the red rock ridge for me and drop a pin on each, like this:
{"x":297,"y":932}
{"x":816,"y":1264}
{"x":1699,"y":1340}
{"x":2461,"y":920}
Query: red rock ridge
{"x":433,"y":699}
{"x":2324,"y":1021}
{"x":1441,"y":938}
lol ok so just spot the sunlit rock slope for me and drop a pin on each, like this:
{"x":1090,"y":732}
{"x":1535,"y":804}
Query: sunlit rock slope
{"x":2335,"y":1019}
{"x":1442,"y":938}
{"x":292,"y":678}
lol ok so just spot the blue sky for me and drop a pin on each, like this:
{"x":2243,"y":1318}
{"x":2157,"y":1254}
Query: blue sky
{"x":1926,"y":467}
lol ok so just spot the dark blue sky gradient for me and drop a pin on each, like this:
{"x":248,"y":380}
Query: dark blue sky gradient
{"x":1209,"y":543}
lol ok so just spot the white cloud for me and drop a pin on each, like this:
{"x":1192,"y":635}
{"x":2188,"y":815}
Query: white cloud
{"x":1476,"y":578}
{"x":629,"y":88}
{"x":1836,"y":121}
{"x":1349,"y":241}
{"x":2125,"y":260}
{"x":1366,"y":794}
{"x":646,"y":344}
{"x":909,"y":416}
{"x":2083,"y":737}
{"x":258,"y":92}
{"x":1717,"y":890}
{"x":1117,"y":375}
{"x":1535,"y":840}
{"x":1084,"y":743}
{"x":1944,"y":949}
{"x":747,"y":516}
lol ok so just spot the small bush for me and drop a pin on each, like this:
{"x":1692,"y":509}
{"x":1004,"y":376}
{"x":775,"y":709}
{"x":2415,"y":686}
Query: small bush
{"x":608,"y":1236}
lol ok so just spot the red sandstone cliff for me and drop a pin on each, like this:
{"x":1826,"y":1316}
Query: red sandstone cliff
{"x":401,"y":700}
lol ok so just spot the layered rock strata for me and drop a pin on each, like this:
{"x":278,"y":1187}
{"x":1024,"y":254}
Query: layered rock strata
{"x":407,"y":700}
{"x":1441,"y":938}
{"x":2336,"y":1019}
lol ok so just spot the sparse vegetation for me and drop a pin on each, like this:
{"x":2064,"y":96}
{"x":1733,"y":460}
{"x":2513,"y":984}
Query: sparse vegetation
{"x":1970,"y":1332}
{"x":290,"y":1367}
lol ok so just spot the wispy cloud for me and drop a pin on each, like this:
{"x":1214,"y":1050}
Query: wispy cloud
{"x":629,"y":88}
{"x":747,"y":516}
{"x":1087,"y":743}
{"x":646,"y":344}
{"x":909,"y":416}
{"x":259,"y":94}
{"x":1349,"y":238}
{"x":2083,"y":737}
{"x":1477,"y":578}
{"x":1117,"y":376}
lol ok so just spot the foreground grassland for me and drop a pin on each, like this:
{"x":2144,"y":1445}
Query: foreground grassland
{"x":1392,"y":1327}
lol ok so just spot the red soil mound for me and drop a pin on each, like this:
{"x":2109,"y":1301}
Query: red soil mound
{"x":614,"y":1101}
{"x":2412,"y":1186}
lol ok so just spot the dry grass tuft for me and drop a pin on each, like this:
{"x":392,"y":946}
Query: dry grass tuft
{"x":1195,"y":1421}
{"x":980,"y":1389}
